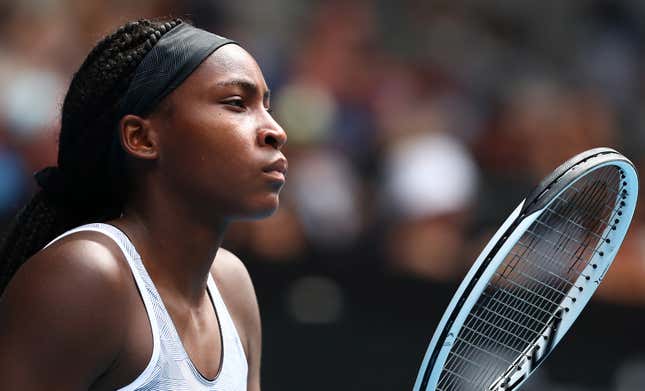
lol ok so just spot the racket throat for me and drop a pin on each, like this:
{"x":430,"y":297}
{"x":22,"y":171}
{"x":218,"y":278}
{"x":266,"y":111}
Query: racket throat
{"x":531,"y":358}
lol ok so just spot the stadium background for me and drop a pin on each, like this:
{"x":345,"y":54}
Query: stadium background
{"x":414,"y":128}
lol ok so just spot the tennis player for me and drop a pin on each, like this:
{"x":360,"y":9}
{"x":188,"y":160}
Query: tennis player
{"x":166,"y":137}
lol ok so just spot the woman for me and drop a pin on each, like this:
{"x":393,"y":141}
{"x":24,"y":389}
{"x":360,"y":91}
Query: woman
{"x":166,"y":137}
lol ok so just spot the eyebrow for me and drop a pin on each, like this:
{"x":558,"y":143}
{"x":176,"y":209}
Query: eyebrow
{"x":246,"y":85}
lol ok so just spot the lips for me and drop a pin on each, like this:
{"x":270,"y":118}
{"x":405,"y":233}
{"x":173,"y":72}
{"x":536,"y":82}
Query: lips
{"x":277,"y":169}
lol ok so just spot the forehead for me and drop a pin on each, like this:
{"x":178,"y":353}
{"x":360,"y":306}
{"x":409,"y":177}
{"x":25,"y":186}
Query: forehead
{"x":230,"y":61}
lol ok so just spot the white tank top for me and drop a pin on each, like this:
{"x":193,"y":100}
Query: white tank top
{"x":170,"y":367}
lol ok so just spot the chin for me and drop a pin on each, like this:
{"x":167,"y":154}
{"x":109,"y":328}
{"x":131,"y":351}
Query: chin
{"x":261,"y":210}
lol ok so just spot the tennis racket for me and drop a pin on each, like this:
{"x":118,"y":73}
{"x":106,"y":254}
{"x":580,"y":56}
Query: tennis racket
{"x":534,"y":277}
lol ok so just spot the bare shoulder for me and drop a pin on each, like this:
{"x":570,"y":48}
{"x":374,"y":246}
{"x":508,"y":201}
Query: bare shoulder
{"x":62,"y":314}
{"x":87,"y":262}
{"x":236,"y":288}
{"x":228,"y":269}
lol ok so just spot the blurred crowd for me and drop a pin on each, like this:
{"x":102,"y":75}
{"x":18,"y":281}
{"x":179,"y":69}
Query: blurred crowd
{"x":415,"y":127}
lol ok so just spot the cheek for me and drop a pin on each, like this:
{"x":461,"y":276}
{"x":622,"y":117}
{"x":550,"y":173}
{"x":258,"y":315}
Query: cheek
{"x":207,"y":152}
{"x":215,"y":161}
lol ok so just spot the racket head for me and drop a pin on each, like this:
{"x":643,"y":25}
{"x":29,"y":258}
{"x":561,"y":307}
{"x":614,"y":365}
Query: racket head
{"x":613,"y":179}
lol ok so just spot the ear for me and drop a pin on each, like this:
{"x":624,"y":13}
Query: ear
{"x":138,"y":137}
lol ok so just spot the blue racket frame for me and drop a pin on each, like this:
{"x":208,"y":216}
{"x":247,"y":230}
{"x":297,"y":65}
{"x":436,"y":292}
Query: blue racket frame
{"x":501,"y":244}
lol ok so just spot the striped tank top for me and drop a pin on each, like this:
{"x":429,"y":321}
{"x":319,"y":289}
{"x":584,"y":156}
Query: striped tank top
{"x":170,"y":367}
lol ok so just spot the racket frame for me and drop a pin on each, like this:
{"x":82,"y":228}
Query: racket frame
{"x":501,"y":244}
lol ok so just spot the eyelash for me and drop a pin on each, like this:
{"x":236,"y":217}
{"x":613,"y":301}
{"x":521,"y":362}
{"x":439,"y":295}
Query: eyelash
{"x":239,"y":103}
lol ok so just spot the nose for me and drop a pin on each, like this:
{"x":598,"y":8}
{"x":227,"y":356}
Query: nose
{"x":272,"y":135}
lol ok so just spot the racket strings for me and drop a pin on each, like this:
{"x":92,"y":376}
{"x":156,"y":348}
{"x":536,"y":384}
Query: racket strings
{"x":488,"y":338}
{"x":559,"y":284}
{"x":516,"y":310}
{"x":582,"y":249}
{"x":533,"y":282}
{"x":565,"y":281}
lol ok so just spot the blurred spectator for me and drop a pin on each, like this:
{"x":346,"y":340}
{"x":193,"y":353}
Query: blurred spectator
{"x":430,"y":182}
{"x":414,"y":127}
{"x":326,"y":193}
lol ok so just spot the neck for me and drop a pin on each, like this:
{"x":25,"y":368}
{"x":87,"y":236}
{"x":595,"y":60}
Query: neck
{"x":177,"y":247}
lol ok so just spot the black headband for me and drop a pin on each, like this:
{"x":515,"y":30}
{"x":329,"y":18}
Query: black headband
{"x":175,"y":56}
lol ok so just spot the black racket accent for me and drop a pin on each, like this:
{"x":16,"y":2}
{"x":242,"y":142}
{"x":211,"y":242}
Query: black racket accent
{"x":539,"y":353}
{"x":557,"y":179}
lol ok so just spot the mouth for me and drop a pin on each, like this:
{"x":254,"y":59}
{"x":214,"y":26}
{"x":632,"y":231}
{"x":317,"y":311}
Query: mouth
{"x":277,"y":170}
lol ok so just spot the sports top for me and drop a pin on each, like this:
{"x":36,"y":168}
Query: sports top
{"x":170,"y":367}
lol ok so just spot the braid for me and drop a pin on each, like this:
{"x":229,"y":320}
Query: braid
{"x":21,"y":236}
{"x":87,"y":154}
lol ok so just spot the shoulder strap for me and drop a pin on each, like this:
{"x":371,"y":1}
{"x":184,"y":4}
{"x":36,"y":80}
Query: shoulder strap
{"x":134,"y":260}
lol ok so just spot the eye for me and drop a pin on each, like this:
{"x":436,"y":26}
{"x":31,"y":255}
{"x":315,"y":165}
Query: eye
{"x":238,"y":103}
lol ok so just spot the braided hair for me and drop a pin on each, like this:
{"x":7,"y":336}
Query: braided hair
{"x":90,"y":183}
